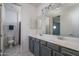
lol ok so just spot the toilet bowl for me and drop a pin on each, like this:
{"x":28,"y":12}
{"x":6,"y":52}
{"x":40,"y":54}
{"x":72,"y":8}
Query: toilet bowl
{"x":10,"y":42}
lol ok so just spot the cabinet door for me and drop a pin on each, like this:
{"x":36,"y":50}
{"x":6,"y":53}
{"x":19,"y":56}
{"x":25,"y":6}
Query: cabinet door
{"x":31,"y":44}
{"x":36,"y":47}
{"x":53,"y":46}
{"x":45,"y":51}
{"x":55,"y":53}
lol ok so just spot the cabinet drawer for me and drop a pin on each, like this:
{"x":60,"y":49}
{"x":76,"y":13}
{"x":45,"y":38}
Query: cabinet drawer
{"x":53,"y":46}
{"x":55,"y":53}
{"x":69,"y":52}
{"x":43,"y":42}
{"x":45,"y":51}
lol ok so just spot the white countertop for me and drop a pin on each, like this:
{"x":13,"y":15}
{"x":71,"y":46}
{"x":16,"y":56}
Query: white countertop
{"x":69,"y":42}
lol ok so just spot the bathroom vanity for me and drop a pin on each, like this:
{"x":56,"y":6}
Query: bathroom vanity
{"x":51,"y":45}
{"x":59,"y":31}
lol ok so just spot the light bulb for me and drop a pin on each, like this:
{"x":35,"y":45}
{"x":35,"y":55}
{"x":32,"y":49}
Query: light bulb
{"x":54,"y":27}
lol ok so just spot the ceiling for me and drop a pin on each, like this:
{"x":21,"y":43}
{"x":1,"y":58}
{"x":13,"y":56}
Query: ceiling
{"x":35,"y":4}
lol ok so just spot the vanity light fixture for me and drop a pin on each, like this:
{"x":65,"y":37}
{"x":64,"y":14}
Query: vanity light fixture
{"x":52,"y":6}
{"x":54,"y":27}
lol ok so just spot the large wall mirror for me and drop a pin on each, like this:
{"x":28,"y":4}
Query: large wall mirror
{"x":63,"y":21}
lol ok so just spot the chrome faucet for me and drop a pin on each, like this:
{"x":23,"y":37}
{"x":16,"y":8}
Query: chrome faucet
{"x":40,"y":34}
{"x":60,"y":37}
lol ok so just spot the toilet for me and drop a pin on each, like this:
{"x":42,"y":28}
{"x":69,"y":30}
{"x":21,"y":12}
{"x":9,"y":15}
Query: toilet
{"x":10,"y":41}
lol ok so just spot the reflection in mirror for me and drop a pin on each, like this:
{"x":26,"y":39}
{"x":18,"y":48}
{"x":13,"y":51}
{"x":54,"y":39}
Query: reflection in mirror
{"x":64,"y":21}
{"x":56,"y":25}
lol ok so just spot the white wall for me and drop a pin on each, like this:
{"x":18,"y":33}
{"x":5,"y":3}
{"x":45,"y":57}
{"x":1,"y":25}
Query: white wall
{"x":27,"y":12}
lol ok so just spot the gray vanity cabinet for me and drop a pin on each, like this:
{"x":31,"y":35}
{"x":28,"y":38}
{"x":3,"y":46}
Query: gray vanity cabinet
{"x":45,"y":51}
{"x":36,"y":47}
{"x":43,"y":48}
{"x":31,"y":44}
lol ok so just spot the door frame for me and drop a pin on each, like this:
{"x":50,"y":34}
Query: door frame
{"x":19,"y":42}
{"x":2,"y":24}
{"x":2,"y":30}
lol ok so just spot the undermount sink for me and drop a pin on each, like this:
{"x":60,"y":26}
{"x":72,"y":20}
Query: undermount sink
{"x":60,"y":37}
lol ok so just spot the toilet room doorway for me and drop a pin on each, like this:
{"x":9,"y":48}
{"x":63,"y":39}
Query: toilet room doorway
{"x":11,"y":23}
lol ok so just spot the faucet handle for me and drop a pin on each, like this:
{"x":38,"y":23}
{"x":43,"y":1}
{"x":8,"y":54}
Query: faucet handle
{"x":40,"y":34}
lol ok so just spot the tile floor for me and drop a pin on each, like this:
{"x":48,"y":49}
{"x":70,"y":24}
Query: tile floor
{"x":21,"y":50}
{"x":17,"y":51}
